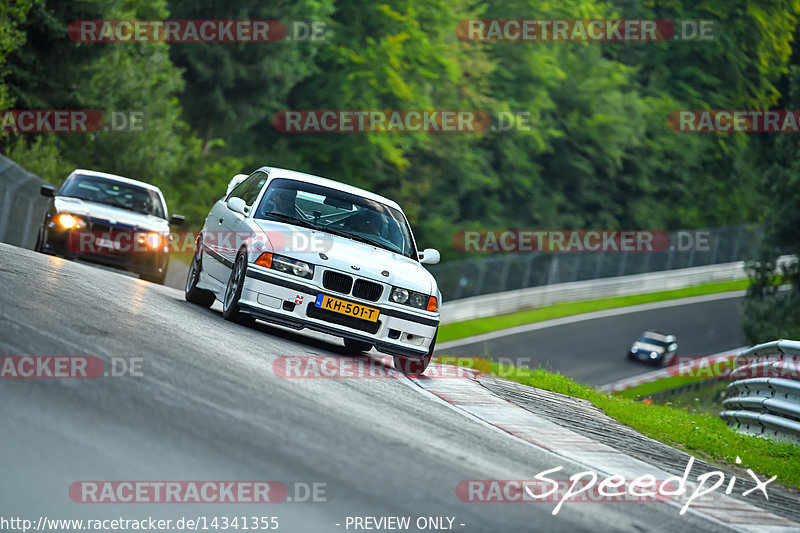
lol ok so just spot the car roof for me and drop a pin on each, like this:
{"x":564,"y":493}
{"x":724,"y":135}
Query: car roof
{"x":325,"y":182}
{"x":655,"y":335}
{"x":116,"y":178}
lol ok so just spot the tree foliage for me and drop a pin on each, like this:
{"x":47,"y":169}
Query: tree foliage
{"x":598,"y":152}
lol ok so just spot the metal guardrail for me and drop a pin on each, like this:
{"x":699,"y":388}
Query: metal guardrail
{"x":576,"y":291}
{"x":765,"y":398}
{"x":22,"y":208}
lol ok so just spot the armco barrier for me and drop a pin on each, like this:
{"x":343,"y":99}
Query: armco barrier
{"x":22,"y":208}
{"x":521,"y":299}
{"x":511,"y":301}
{"x":765,"y":398}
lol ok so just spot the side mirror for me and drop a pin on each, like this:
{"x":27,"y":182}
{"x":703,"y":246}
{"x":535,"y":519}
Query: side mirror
{"x":429,"y":256}
{"x":236,"y":180}
{"x":47,"y":190}
{"x":237,"y":205}
{"x":176,"y":220}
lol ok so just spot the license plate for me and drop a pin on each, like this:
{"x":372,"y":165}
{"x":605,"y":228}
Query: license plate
{"x":347,"y":308}
{"x":107,"y":243}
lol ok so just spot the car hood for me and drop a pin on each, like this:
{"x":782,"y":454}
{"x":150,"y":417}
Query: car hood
{"x":123,"y":217}
{"x":343,"y":254}
{"x":647,"y":347}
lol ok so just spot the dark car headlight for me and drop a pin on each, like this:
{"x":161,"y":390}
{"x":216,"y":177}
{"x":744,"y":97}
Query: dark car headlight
{"x":286,"y":264}
{"x":413,"y":299}
{"x":67,"y":221}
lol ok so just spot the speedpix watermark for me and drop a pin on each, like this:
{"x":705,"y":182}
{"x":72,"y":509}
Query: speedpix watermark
{"x":583,"y":487}
{"x":592,"y":30}
{"x":77,"y":366}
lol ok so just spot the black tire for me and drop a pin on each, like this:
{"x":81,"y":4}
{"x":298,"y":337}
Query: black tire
{"x":233,"y":291}
{"x":415,"y":366}
{"x":39,"y":246}
{"x":201,"y":297}
{"x":357,"y":346}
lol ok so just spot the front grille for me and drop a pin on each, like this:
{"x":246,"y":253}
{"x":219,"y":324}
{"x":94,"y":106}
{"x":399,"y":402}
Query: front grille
{"x":343,"y":320}
{"x":367,"y":290}
{"x":103,"y":228}
{"x":333,"y":281}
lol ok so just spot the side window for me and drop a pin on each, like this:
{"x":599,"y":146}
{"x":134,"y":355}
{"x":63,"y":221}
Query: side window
{"x":248,"y":189}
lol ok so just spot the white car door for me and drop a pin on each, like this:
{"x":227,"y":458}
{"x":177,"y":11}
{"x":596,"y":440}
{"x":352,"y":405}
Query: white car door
{"x":233,"y":224}
{"x":213,"y":233}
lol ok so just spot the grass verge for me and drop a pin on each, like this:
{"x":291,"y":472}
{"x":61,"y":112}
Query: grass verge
{"x":704,"y":435}
{"x":672,"y":382}
{"x":468,"y":328}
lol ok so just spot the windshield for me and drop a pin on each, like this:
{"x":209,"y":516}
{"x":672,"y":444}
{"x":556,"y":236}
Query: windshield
{"x":337,"y":212}
{"x":648,"y":340}
{"x":110,"y":192}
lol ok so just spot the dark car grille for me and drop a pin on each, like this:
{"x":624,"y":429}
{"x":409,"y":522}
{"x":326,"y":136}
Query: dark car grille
{"x":333,"y":281}
{"x":343,"y":320}
{"x":367,"y":290}
{"x":103,"y":228}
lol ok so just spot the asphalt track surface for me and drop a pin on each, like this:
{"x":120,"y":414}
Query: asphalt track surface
{"x":209,"y":406}
{"x":594,"y":351}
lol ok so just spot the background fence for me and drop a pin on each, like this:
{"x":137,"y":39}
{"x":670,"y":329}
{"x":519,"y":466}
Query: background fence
{"x":764,"y":399}
{"x":511,"y":271}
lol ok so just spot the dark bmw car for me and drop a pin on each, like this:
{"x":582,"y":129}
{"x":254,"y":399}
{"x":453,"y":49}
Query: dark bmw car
{"x":110,"y":220}
{"x":655,"y":348}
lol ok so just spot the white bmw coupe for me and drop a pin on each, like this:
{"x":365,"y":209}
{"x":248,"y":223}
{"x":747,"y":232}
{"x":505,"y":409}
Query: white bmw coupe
{"x":307,"y":252}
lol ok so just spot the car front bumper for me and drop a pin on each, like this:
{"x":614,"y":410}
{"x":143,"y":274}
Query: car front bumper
{"x":151,"y":263}
{"x":290,"y":303}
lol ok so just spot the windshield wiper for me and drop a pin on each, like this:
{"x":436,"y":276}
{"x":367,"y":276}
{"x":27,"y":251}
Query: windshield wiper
{"x":359,"y":238}
{"x":113,"y":203}
{"x":292,"y":219}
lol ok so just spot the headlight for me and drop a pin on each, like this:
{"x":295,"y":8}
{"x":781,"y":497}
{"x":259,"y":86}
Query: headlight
{"x":634,"y":349}
{"x":399,"y":296}
{"x":653,"y":355}
{"x":68,"y":221}
{"x":286,"y":264}
{"x":413,"y":299}
{"x":151,"y":240}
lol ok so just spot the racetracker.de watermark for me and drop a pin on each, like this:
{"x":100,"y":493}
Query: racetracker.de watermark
{"x":332,"y":367}
{"x":731,"y":121}
{"x":383,"y":121}
{"x":70,"y":121}
{"x":515,"y":241}
{"x":86,"y":241}
{"x":206,"y":491}
{"x":581,"y":30}
{"x":747,"y":367}
{"x":196,"y":31}
{"x":68,"y":366}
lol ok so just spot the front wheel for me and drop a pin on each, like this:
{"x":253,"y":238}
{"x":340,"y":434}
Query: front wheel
{"x":192,"y":294}
{"x":233,"y":291}
{"x":415,"y":366}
